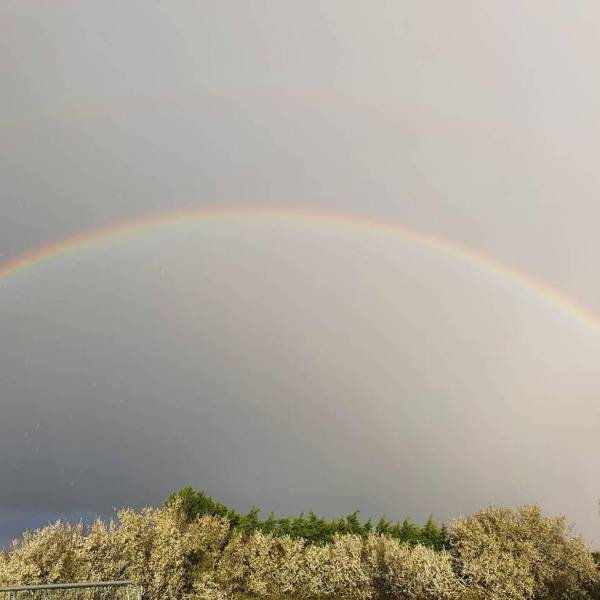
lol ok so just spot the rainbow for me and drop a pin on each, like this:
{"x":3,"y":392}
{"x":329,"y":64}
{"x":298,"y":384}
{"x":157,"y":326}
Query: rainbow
{"x":461,"y":252}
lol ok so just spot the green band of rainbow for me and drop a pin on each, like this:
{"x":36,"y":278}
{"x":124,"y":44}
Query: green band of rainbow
{"x":148,"y":224}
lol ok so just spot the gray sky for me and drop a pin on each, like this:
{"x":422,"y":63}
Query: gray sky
{"x":299,"y":365}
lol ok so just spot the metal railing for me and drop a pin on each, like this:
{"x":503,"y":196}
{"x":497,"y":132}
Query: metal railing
{"x":48,"y":590}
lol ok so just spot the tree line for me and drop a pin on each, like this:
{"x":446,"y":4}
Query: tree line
{"x":496,"y":554}
{"x":313,"y":528}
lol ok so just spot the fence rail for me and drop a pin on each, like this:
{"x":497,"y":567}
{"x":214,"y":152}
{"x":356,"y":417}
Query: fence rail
{"x":49,"y":588}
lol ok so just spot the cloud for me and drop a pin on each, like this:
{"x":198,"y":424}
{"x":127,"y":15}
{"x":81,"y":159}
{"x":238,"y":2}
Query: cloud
{"x":290,"y":366}
{"x":293,"y":366}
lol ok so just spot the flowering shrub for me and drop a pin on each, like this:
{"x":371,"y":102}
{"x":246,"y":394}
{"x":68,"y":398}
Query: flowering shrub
{"x":496,"y":554}
{"x":261,"y":565}
{"x":164,"y":552}
{"x":512,"y":554}
{"x":417,"y":572}
{"x":351,"y":567}
{"x":156,"y":549}
{"x":48,"y":555}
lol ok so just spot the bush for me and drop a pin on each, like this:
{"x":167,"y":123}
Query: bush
{"x":418,"y":572}
{"x":157,"y":549}
{"x":260,"y":565}
{"x":514,"y":554}
{"x":48,"y":555}
{"x":349,"y":569}
{"x":496,"y":554}
{"x":165,"y":553}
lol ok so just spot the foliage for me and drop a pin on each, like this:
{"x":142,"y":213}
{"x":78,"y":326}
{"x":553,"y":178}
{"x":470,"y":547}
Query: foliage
{"x":195,"y":503}
{"x":498,"y":553}
{"x":310,"y":527}
{"x":417,"y":572}
{"x":157,"y":549}
{"x":510,"y":554}
{"x":350,"y":567}
{"x":48,"y":555}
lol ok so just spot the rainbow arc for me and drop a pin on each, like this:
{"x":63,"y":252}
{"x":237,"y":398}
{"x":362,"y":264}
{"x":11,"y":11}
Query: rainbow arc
{"x":55,"y":250}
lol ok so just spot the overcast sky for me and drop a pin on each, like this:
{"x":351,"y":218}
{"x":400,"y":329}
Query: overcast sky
{"x":294,"y":365}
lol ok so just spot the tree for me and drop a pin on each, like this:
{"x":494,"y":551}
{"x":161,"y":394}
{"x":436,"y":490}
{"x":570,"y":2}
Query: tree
{"x":195,"y":503}
{"x":312,"y":528}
